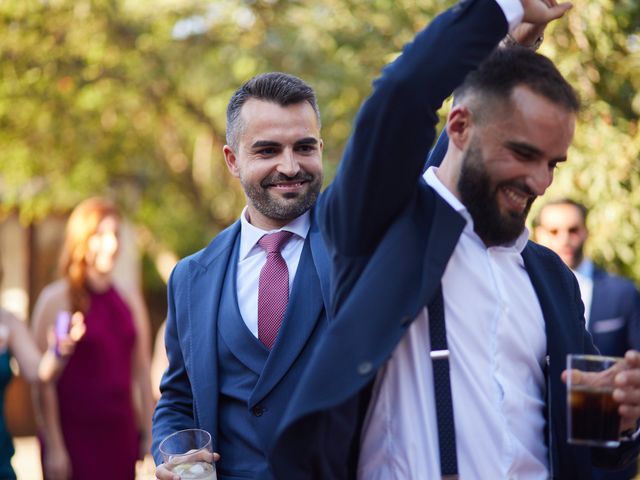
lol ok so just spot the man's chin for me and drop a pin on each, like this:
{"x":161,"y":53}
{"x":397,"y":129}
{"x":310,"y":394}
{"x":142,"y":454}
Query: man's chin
{"x":287,"y":210}
{"x":510,"y":228}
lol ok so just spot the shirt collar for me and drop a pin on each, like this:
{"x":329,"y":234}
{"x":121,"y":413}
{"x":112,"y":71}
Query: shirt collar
{"x":585,"y":268}
{"x":434,"y":182}
{"x":250,"y":234}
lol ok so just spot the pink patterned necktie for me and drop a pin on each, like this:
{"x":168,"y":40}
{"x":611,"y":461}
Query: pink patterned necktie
{"x":273,"y":288}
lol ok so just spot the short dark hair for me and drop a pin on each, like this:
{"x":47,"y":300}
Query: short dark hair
{"x":584,"y":211}
{"x":508,"y":68}
{"x":277,"y":87}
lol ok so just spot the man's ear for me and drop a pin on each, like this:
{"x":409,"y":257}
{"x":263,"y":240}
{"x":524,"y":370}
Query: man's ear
{"x":459,"y":126}
{"x":231,"y":160}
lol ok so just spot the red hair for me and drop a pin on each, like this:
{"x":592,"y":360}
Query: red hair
{"x":82,"y":224}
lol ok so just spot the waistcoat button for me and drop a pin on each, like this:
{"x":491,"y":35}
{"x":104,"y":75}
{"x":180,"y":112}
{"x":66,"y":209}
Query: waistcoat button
{"x":258,"y":410}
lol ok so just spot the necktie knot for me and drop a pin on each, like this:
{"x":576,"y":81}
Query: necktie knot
{"x":273,"y":242}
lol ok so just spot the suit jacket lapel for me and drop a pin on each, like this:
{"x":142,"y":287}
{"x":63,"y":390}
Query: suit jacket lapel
{"x":598,"y":298}
{"x":320,"y":256}
{"x":559,"y":340}
{"x":446,"y":228}
{"x":205,"y":289}
{"x":301,"y":317}
{"x":543,"y":288}
{"x":233,"y":331}
{"x":558,"y":324}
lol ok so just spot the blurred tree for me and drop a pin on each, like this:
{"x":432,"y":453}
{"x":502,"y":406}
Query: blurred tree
{"x":91,"y":102}
{"x":128,"y":98}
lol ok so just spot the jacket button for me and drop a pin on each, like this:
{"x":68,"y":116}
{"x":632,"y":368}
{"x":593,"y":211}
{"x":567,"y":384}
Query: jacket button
{"x":364,"y":368}
{"x":258,"y":410}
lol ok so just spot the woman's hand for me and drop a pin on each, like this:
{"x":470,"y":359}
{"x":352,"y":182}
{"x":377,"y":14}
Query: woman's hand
{"x":65,"y":345}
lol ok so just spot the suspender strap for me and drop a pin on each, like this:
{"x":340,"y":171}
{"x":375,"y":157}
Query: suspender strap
{"x":442,"y":387}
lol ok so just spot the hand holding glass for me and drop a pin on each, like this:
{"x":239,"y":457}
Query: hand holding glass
{"x":189,"y":453}
{"x":592,"y":413}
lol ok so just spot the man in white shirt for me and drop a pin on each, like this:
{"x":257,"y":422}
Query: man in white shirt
{"x":246,"y":311}
{"x":611,"y":302}
{"x":410,"y":252}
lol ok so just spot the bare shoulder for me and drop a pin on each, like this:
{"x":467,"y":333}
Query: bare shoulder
{"x":56,"y":292}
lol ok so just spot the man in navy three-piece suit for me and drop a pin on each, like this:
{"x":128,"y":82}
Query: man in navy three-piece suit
{"x":231,"y":368}
{"x":612,"y":303}
{"x":417,"y":257}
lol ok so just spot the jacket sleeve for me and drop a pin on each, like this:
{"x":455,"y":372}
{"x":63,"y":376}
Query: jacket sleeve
{"x":395,"y":128}
{"x":174,"y":410}
{"x":632,"y":319}
{"x":616,"y":458}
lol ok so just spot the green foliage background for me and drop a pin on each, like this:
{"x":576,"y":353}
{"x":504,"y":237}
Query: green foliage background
{"x":128,"y":98}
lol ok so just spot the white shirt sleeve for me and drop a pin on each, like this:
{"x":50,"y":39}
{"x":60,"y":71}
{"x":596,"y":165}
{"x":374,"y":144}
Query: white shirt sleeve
{"x":513,"y":12}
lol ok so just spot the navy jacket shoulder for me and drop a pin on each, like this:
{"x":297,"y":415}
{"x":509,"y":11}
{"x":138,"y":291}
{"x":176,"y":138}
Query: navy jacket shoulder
{"x":615,"y":313}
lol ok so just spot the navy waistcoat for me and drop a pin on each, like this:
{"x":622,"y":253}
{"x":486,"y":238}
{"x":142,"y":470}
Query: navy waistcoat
{"x":248,"y":406}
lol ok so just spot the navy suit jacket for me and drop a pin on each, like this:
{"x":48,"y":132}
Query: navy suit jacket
{"x":390,"y":237}
{"x":615,"y":314}
{"x":190,"y":384}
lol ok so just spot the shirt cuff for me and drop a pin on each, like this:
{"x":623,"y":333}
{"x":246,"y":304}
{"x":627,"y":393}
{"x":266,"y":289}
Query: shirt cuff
{"x":630,"y":435}
{"x":513,"y":12}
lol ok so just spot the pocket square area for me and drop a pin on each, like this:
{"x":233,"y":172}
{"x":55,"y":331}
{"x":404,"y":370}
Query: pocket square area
{"x":608,"y":325}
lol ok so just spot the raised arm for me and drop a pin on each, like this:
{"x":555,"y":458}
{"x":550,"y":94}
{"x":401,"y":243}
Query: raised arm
{"x":395,"y":127}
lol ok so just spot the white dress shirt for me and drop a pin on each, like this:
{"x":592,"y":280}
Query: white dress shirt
{"x":584,"y":275}
{"x":252,"y":257}
{"x":497,"y":343}
{"x":513,"y":12}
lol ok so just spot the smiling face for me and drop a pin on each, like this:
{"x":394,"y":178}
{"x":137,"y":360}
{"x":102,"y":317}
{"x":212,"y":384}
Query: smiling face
{"x":508,"y":162}
{"x":278,"y":160}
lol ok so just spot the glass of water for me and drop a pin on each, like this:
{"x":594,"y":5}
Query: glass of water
{"x":189,"y":453}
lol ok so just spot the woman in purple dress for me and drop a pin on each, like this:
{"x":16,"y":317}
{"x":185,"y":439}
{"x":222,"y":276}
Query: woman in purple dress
{"x":96,"y":422}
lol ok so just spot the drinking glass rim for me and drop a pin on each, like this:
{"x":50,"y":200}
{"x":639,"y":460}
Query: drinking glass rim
{"x":170,"y":454}
{"x":595,"y":358}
